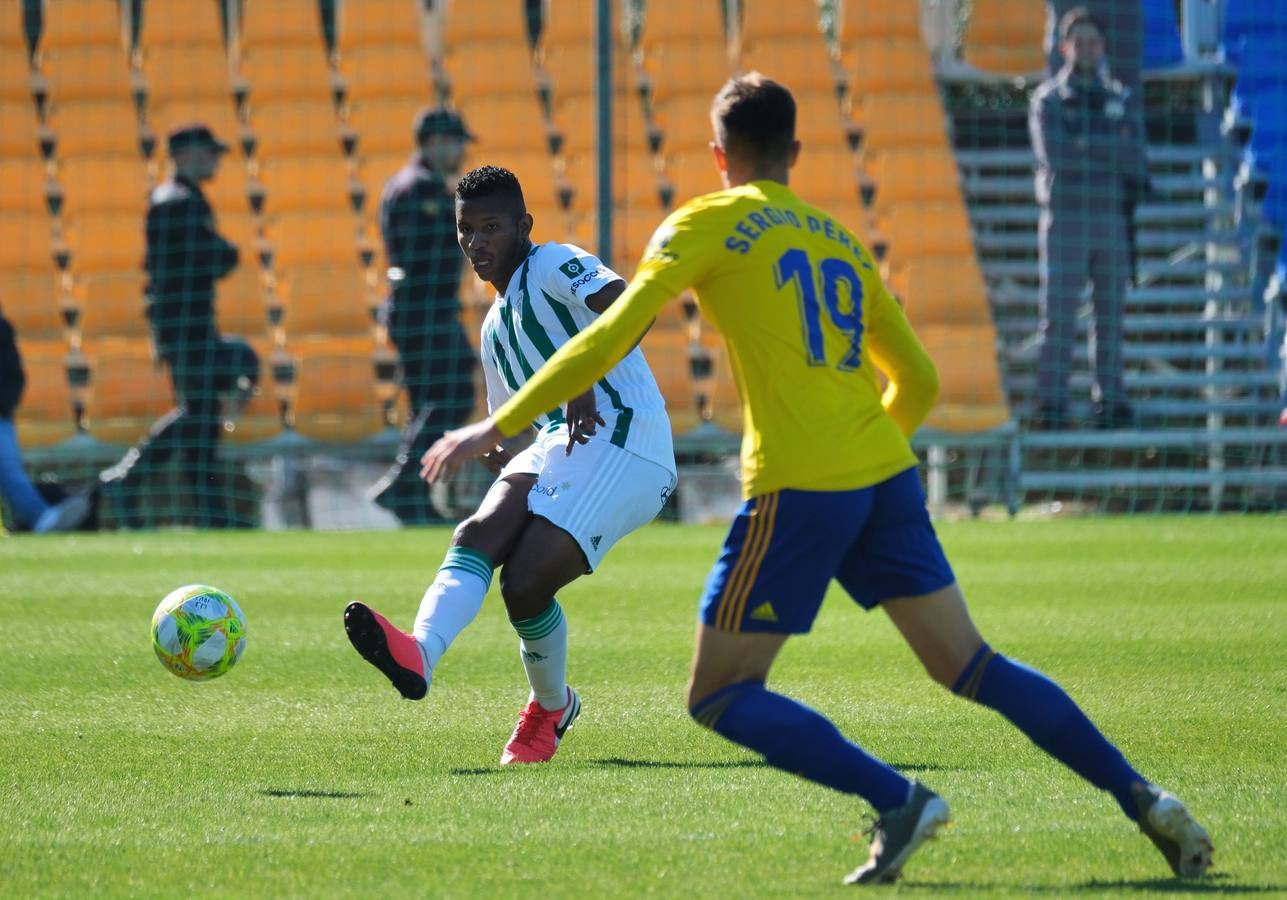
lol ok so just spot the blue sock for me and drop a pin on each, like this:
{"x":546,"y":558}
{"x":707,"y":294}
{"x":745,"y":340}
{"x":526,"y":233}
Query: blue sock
{"x":1049,"y":717}
{"x":796,"y":739}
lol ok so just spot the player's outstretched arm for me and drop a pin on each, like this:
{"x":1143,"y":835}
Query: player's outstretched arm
{"x":913,"y":380}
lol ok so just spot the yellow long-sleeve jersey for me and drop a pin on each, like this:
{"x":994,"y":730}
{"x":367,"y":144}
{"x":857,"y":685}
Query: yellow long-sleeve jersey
{"x":808,"y":323}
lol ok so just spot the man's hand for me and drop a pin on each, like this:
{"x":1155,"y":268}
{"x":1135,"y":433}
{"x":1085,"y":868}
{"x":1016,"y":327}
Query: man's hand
{"x":455,"y":448}
{"x":582,"y":415}
{"x":495,"y":459}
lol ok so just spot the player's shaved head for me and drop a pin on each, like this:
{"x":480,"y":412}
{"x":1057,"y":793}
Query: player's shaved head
{"x":495,"y":184}
{"x":754,"y":119}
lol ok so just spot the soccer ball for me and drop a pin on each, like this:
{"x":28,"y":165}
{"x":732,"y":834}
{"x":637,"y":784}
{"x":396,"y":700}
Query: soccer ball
{"x":198,"y":632}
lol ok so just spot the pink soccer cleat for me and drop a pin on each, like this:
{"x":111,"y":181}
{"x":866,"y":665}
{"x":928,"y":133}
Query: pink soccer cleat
{"x":393,"y":652}
{"x":539,"y":731}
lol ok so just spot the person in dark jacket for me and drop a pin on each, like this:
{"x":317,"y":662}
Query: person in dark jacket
{"x":185,"y":257}
{"x":418,"y":224}
{"x":1090,"y":157}
{"x":28,"y":508}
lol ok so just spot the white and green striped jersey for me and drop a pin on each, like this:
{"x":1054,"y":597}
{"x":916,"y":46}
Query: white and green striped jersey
{"x":542,"y":308}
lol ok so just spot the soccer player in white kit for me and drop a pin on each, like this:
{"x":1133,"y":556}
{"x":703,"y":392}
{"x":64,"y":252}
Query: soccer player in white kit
{"x":596,"y":470}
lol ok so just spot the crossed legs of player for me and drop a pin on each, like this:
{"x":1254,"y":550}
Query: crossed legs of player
{"x":795,"y":542}
{"x":548,"y":519}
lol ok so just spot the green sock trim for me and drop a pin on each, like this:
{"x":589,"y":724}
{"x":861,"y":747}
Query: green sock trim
{"x":537,"y":627}
{"x":468,"y":560}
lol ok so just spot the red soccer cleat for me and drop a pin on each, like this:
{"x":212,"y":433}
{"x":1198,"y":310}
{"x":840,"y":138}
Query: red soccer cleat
{"x":539,"y":731}
{"x":393,"y":652}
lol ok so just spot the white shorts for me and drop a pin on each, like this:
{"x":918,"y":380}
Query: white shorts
{"x":598,"y":494}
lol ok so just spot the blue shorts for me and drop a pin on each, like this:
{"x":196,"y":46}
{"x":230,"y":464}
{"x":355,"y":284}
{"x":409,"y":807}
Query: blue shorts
{"x":784,"y":548}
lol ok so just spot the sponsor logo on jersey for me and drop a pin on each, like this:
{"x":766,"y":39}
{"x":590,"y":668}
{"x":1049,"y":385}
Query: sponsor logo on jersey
{"x":587,"y":278}
{"x":574,"y":268}
{"x":548,"y":490}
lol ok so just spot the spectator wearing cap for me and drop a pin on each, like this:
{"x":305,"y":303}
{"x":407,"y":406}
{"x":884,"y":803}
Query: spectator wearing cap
{"x":418,"y":225}
{"x":185,"y":257}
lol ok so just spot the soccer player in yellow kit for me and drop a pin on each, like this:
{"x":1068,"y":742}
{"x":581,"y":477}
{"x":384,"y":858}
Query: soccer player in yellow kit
{"x":830,"y":482}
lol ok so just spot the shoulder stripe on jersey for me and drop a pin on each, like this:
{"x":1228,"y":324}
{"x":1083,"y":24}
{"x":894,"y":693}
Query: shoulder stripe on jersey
{"x":625,"y":414}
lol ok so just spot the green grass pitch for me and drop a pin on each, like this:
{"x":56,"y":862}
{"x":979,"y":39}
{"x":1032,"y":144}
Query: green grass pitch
{"x":302,"y":774}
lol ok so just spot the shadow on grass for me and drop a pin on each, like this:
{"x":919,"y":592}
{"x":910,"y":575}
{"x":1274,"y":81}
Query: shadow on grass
{"x":618,"y":762}
{"x":314,"y":795}
{"x":1211,"y":884}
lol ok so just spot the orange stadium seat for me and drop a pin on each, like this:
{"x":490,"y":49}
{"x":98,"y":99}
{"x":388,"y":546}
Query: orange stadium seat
{"x":295,"y":128}
{"x":383,"y":24}
{"x":635,"y":181}
{"x":781,"y":18}
{"x":287,"y":73}
{"x":239,"y":302}
{"x":103,"y":184}
{"x":82,"y":23}
{"x":1001,"y":36}
{"x":19,"y":134}
{"x":23,"y":185}
{"x":46,"y":415}
{"x":941,"y":290}
{"x":970,"y":396}
{"x":506,"y":122}
{"x":879,"y":19}
{"x":912,"y":174}
{"x":12,"y":39}
{"x":110,"y":241}
{"x":15,"y":75}
{"x":679,"y":22}
{"x":305,"y":183}
{"x":107,"y":127}
{"x":818,"y":119}
{"x":577,"y":120}
{"x":24,"y":242}
{"x":900,"y":65}
{"x":508,"y":70}
{"x":128,"y":390}
{"x":398,"y":71}
{"x":686,"y":68}
{"x":88,"y":73}
{"x":308,"y":238}
{"x":691,"y":174}
{"x":229,"y":189}
{"x":177,"y":75}
{"x":111,"y":305}
{"x":535,"y":173}
{"x":484,"y":22}
{"x":571,"y":23}
{"x":572,"y":71}
{"x":802,"y":63}
{"x":901,"y":120}
{"x":670,"y":358}
{"x":281,"y":24}
{"x":930,"y":229}
{"x":375,"y":171}
{"x":29,"y":298}
{"x":328,"y":300}
{"x":240,"y":227}
{"x":825,"y":173}
{"x":197,"y":23}
{"x":335,"y":393}
{"x":685,"y":122}
{"x":386,"y":125}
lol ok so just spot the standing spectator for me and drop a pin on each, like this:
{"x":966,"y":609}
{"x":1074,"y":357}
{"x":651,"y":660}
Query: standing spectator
{"x":25,"y":503}
{"x":185,"y":256}
{"x":1089,"y":165}
{"x":418,"y":224}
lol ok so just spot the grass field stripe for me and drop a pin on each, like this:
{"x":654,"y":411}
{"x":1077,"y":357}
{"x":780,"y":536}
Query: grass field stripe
{"x":743,"y":557}
{"x":753,"y":572}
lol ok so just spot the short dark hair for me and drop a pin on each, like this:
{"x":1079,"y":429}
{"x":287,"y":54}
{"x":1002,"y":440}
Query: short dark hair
{"x":490,"y":181}
{"x":1079,"y":15}
{"x":754,"y":118}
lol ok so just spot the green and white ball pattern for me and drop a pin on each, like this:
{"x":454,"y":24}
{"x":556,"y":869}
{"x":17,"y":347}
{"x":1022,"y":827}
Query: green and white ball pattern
{"x":198,"y":632}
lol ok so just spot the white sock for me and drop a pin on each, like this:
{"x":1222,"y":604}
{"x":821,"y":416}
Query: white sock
{"x":452,"y":601}
{"x":543,"y":646}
